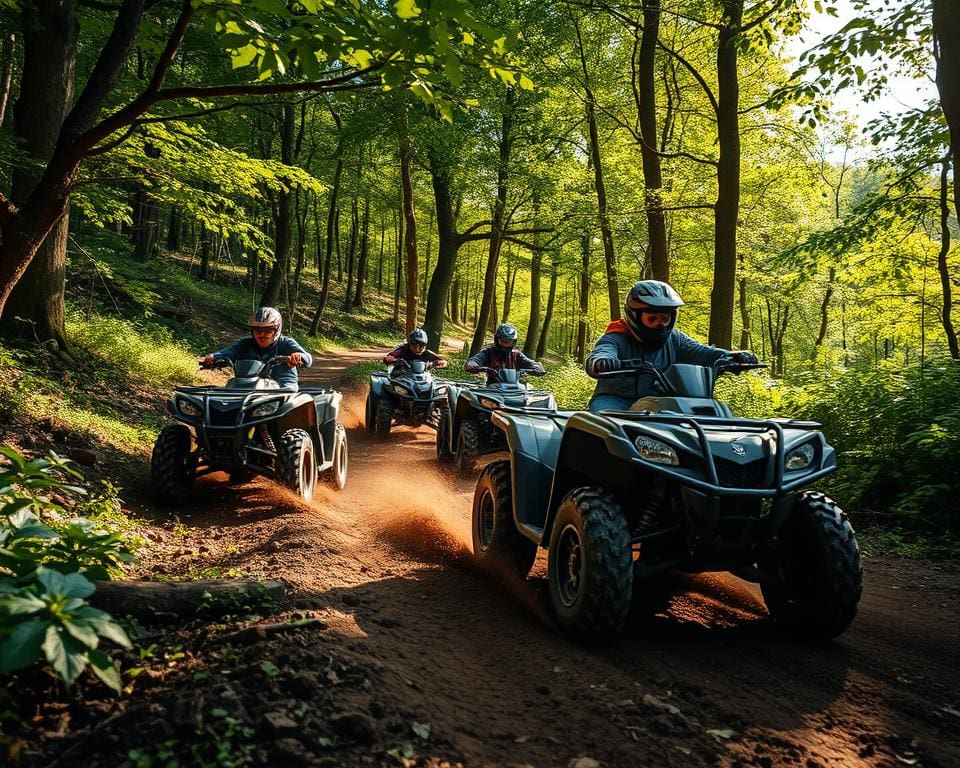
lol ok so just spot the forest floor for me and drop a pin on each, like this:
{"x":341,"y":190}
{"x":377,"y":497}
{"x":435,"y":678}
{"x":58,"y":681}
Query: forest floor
{"x":408,"y":655}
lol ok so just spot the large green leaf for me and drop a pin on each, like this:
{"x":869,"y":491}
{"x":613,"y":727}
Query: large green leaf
{"x":104,"y":624}
{"x":22,"y":646}
{"x":104,"y":668}
{"x":69,"y":585}
{"x":65,"y":654}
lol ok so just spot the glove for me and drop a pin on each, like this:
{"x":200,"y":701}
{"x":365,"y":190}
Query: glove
{"x":744,"y":357}
{"x":389,"y":359}
{"x":206,"y":360}
{"x":537,"y":370}
{"x":471,"y":368}
{"x":605,"y":364}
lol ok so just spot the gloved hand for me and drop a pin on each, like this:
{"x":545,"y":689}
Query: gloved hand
{"x":441,"y":363}
{"x":389,"y":359}
{"x":744,"y":357}
{"x":205,"y":360}
{"x":538,"y":370}
{"x":295,"y":359}
{"x":605,"y":364}
{"x":471,"y":368}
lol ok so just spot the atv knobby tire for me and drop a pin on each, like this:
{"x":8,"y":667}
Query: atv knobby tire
{"x":336,"y":476}
{"x":444,"y":454}
{"x":589,"y":565}
{"x":817,"y":581}
{"x":496,"y":540}
{"x":468,"y":446}
{"x":369,"y":413}
{"x":383,"y":418}
{"x":297,"y":462}
{"x":171,"y":468}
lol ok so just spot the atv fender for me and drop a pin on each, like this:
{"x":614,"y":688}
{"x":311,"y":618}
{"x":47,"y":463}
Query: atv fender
{"x":378,"y":384}
{"x":303,"y":415}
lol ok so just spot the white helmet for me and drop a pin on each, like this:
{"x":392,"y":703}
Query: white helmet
{"x":266,"y":317}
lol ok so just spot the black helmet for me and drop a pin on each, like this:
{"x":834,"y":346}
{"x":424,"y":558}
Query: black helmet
{"x":507,"y":332}
{"x":417,"y":336}
{"x":266,"y":317}
{"x":656,"y":298}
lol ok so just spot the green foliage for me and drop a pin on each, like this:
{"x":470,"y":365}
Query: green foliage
{"x":897,"y":433}
{"x":45,"y":562}
{"x":569,"y":384}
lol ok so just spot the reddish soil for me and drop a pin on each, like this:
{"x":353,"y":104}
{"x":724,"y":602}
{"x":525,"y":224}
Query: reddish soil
{"x":419,"y":659}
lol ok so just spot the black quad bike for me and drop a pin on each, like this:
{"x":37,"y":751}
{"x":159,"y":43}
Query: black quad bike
{"x":250,"y":427}
{"x":466,"y":432}
{"x":407,"y":394}
{"x":676,"y":482}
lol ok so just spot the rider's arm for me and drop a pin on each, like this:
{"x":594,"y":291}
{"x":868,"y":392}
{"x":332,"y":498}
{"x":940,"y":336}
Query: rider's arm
{"x":605,"y":348}
{"x":234,"y":351}
{"x":437,"y":360}
{"x":477,"y":361}
{"x":525,"y":363}
{"x":695,"y":353}
{"x":289,"y":346}
{"x":394,"y":354}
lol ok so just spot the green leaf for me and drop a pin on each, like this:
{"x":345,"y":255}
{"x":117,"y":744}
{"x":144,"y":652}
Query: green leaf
{"x":105,"y":626}
{"x":526,"y":83}
{"x":71,"y":585}
{"x":244,"y":56}
{"x":104,"y":668}
{"x":65,"y":654}
{"x":82,"y":632}
{"x":24,"y":603}
{"x":406,"y":9}
{"x":22,"y":647}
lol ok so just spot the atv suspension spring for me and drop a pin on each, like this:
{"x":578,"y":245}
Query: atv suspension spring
{"x":655,"y":514}
{"x":265,"y":438}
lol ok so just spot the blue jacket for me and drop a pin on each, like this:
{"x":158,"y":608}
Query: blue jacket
{"x":248,"y":349}
{"x":488,"y":358}
{"x":619,"y":343}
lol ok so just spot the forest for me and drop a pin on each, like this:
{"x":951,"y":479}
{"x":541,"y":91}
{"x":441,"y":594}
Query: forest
{"x":370,"y":167}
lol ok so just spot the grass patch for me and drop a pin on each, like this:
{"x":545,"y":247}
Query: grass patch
{"x":913,"y":545}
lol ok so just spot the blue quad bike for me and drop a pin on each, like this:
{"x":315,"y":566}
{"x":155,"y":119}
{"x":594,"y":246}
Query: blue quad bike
{"x":406,"y":394}
{"x":466,"y":431}
{"x":250,"y":427}
{"x":618,"y":498}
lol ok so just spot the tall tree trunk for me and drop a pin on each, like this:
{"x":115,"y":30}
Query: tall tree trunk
{"x":946,"y":309}
{"x":205,"y":237}
{"x":581,"y":350}
{"x":410,"y":217}
{"x":146,"y":225}
{"x":301,"y":210}
{"x":548,"y":316}
{"x":175,"y":230}
{"x":398,"y":270}
{"x":328,"y":256}
{"x":946,"y":33}
{"x":351,"y":251}
{"x":448,"y":245}
{"x":536,"y":261}
{"x":824,"y":313}
{"x":496,"y":225}
{"x":646,"y":98}
{"x":45,"y":95}
{"x":8,"y":60}
{"x":727,"y":207}
{"x":383,"y":239}
{"x":745,"y":341}
{"x":508,"y":285}
{"x":364,"y":252}
{"x":283,"y":223}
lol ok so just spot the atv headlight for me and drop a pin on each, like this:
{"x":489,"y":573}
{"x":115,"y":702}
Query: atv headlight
{"x":187,"y":408}
{"x":654,"y":450}
{"x":799,"y":458}
{"x":402,"y":390}
{"x":440,"y":391}
{"x":266,"y":409}
{"x":489,"y":403}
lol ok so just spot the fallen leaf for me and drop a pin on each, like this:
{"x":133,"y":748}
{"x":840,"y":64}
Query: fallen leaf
{"x":421,"y":729}
{"x":721,"y":733}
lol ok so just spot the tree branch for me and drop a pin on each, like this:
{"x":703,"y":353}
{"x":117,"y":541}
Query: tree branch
{"x":762,"y":17}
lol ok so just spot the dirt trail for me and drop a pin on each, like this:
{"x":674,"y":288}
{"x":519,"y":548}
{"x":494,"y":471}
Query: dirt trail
{"x":386,"y":565}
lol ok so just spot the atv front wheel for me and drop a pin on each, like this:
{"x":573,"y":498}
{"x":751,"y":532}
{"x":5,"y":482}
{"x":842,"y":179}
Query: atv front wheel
{"x":496,"y":539}
{"x":468,"y":446}
{"x":444,"y":454}
{"x":818,"y":577}
{"x":589,"y":565}
{"x":336,"y":476}
{"x":369,"y":413}
{"x":171,"y":470}
{"x":296,"y":462}
{"x":383,"y":419}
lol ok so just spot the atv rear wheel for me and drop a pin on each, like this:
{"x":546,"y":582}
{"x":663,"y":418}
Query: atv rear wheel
{"x":369,"y":413}
{"x":818,"y":577}
{"x":297,"y":463}
{"x":468,"y":446}
{"x":444,"y":454}
{"x":589,"y":565}
{"x":171,"y":470}
{"x":496,"y":539}
{"x":336,"y":476}
{"x":383,"y":419}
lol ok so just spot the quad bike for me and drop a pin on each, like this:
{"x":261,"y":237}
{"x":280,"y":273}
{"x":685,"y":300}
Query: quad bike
{"x":407,"y":394}
{"x":466,"y":432}
{"x":677,"y":482}
{"x":250,"y":427}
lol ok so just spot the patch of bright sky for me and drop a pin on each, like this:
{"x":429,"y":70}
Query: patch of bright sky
{"x":902,"y":93}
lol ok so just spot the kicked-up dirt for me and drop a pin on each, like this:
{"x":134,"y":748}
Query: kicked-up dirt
{"x":396,"y":651}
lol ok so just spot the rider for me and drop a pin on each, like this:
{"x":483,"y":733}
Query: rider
{"x":502,"y":354}
{"x":265,"y":343}
{"x":647,"y":333}
{"x":415,"y":348}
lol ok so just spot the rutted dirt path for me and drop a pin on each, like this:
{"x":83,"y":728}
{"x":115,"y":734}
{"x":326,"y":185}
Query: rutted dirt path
{"x":419,"y":637}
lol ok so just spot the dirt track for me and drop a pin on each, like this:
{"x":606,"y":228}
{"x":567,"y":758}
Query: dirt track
{"x":386,"y":565}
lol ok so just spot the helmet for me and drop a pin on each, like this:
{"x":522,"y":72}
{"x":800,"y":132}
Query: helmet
{"x":266,"y":317}
{"x":417,"y":337}
{"x":506,"y":332}
{"x":656,"y":299}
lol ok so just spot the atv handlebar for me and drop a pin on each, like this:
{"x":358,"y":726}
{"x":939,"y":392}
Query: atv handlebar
{"x":226,"y":362}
